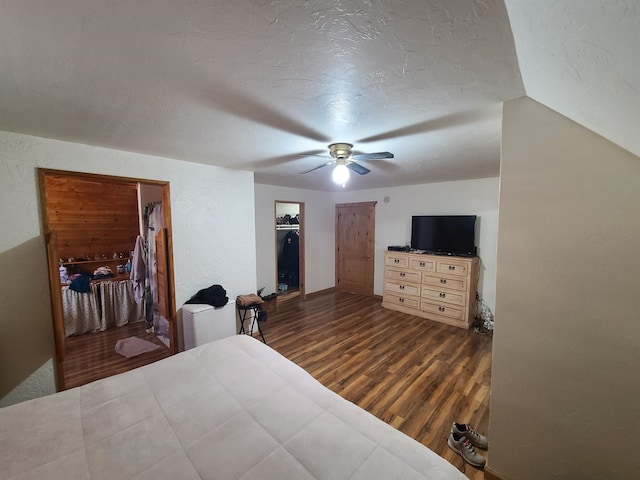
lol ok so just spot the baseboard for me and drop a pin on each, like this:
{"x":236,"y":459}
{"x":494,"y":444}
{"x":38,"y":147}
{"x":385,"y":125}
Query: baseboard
{"x":320,"y":292}
{"x":491,"y":475}
{"x":333,"y":289}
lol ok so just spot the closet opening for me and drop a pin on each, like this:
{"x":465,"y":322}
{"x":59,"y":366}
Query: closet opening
{"x":109,"y":251}
{"x":289,"y":219}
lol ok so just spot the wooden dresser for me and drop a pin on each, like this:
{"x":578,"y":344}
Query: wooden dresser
{"x":439,"y":288}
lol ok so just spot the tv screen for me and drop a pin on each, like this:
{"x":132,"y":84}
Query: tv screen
{"x":444,"y":234}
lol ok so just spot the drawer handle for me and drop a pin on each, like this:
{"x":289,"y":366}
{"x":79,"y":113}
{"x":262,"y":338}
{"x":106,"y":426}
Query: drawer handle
{"x":401,"y":300}
{"x":441,"y":309}
{"x":401,"y":287}
{"x":402,"y":274}
{"x":396,"y":260}
{"x":443,"y":280}
{"x":422,"y":264}
{"x":442,"y":295}
{"x":451,"y":267}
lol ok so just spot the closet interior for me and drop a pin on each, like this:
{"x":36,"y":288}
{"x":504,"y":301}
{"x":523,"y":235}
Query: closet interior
{"x":108,"y":239}
{"x":288,"y":248}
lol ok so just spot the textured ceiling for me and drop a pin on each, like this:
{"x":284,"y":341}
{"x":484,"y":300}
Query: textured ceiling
{"x":263,"y":85}
{"x":582,"y":59}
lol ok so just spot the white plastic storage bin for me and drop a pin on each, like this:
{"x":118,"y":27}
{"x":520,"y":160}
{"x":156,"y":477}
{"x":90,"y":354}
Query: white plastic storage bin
{"x":204,"y":323}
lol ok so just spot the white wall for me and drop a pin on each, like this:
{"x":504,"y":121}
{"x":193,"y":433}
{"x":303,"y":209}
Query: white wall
{"x":393,"y":226}
{"x":213,"y":242}
{"x":565,"y":395}
{"x":319,"y":225}
{"x":468,"y":197}
{"x":283,"y":209}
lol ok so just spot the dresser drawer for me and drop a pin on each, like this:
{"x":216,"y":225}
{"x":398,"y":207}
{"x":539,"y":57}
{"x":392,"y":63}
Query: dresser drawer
{"x":456,"y":313}
{"x":435,"y":287}
{"x":422,"y":264}
{"x":392,"y":260}
{"x":447,"y":320}
{"x":442,"y":296}
{"x":452,"y":267}
{"x":403,"y":288}
{"x":404,"y":301}
{"x":402,"y":276}
{"x":445,"y":281}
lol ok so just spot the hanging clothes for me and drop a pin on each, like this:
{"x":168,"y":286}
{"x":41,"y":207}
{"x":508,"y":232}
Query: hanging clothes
{"x":154,"y":222}
{"x":290,"y":259}
{"x":139,"y":270}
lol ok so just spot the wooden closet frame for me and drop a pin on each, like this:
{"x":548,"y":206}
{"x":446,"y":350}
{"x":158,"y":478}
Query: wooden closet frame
{"x":301,"y":246}
{"x":52,"y":260}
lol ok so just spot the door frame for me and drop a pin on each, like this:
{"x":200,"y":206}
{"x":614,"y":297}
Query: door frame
{"x":54,"y":274}
{"x":301,"y":251}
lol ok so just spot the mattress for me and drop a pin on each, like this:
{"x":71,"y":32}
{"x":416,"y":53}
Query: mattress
{"x":230,"y":409}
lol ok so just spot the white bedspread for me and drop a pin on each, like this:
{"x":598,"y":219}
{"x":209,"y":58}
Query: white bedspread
{"x":231,"y":409}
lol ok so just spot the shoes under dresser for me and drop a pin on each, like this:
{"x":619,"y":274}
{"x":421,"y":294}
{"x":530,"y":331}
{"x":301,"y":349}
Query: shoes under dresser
{"x":431,"y":286}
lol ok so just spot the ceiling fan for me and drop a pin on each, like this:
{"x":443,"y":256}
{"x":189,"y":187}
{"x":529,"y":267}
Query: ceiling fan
{"x":344,"y":161}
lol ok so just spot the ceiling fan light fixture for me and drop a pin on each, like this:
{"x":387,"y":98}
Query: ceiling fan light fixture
{"x":340,"y":150}
{"x":343,"y":159}
{"x":340,"y":174}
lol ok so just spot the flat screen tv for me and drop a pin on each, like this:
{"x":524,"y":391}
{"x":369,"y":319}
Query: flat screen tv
{"x":444,"y":234}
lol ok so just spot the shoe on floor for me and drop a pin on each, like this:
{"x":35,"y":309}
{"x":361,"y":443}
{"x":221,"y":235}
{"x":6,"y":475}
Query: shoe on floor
{"x":462,"y":446}
{"x":476,"y":439}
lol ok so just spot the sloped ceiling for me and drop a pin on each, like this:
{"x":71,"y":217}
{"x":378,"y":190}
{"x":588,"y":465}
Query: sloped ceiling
{"x":582,"y":59}
{"x":267,"y":85}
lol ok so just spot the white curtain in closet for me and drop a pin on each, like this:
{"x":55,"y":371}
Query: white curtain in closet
{"x":108,"y":304}
{"x":118,"y":303}
{"x":82,"y":311}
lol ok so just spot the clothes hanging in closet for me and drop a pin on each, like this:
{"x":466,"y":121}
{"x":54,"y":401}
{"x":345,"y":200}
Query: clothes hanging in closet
{"x":154,"y":222}
{"x":139,"y":269}
{"x":289,"y":263}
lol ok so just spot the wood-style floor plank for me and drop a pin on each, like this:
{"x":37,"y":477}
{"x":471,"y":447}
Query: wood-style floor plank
{"x":92,"y":356}
{"x":417,"y":375}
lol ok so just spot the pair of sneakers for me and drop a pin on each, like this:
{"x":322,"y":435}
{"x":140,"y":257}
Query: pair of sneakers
{"x":463,"y":439}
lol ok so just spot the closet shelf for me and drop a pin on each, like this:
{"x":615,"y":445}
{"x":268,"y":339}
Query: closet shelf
{"x":97,"y":261}
{"x":117,"y":277}
{"x":287,"y":227}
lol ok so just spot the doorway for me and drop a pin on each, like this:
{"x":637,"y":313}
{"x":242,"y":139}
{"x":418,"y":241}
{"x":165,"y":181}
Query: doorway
{"x":289,"y":241}
{"x":355,"y":247}
{"x":94,"y":228}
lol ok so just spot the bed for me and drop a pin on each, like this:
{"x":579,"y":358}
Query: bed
{"x":230,"y":409}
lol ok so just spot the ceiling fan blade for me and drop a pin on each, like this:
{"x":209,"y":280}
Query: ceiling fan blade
{"x":240,"y":102}
{"x":372,"y":156}
{"x":359,"y":169}
{"x":451,"y":120}
{"x":316,"y":168}
{"x":279,"y":160}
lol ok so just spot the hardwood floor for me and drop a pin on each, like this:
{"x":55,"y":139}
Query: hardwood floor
{"x":92,"y":356}
{"x":415,"y":374}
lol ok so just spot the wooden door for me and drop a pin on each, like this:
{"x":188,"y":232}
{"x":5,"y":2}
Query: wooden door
{"x":162,"y":269}
{"x":165,"y":294}
{"x":355,"y":241}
